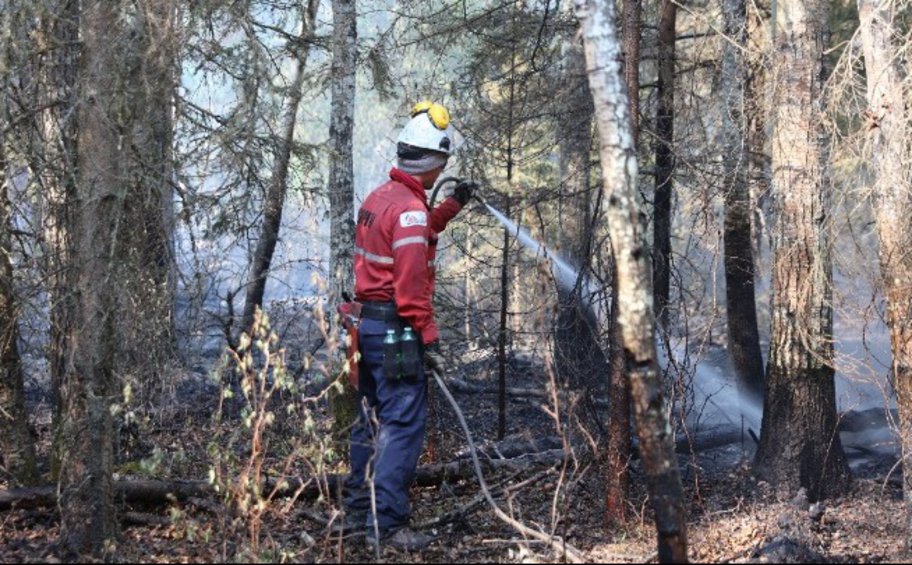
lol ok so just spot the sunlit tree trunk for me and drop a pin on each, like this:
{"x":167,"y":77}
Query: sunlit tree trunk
{"x":617,"y":471}
{"x":799,"y":443}
{"x":341,"y":181}
{"x":740,"y":302}
{"x":888,"y":136}
{"x":341,"y":170}
{"x":628,"y":239}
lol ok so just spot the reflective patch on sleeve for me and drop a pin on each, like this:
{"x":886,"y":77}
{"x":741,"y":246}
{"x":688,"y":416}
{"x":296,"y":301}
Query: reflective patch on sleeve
{"x":373,"y":257}
{"x":410,"y":219}
{"x":409,"y":240}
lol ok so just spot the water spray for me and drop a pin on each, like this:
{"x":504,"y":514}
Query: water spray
{"x":564,"y":273}
{"x":567,"y":276}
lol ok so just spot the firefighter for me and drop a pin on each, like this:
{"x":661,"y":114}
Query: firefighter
{"x":395,"y":245}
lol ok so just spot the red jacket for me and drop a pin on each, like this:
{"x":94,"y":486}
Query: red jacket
{"x":395,"y":247}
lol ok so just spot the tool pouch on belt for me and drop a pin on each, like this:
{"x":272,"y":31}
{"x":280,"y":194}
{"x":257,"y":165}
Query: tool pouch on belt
{"x":350,"y":312}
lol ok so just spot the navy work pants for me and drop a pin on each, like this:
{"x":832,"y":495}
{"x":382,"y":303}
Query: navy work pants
{"x":391,"y":449}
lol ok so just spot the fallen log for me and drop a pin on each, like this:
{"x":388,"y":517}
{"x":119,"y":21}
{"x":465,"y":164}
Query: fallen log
{"x":147,"y":491}
{"x":466,"y":387}
{"x":513,"y":446}
{"x":514,"y":455}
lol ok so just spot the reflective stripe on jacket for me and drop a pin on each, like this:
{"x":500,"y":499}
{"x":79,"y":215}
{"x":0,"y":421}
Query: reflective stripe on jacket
{"x":395,"y":247}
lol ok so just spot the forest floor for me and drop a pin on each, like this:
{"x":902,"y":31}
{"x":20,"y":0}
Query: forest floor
{"x":731,"y":516}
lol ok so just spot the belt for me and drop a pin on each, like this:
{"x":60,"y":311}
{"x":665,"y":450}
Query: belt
{"x":381,"y":311}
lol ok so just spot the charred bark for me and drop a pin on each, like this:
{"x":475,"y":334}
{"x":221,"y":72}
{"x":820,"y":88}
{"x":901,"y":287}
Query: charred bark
{"x":664,"y":162}
{"x":618,"y":454}
{"x":635,"y":311}
{"x":799,"y":446}
{"x":632,"y":10}
{"x":146,"y":275}
{"x":740,"y":301}
{"x":148,"y":267}
{"x":503,"y":329}
{"x":578,"y":357}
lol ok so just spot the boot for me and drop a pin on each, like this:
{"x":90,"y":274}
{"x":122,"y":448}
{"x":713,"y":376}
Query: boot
{"x":351,"y":523}
{"x":403,"y":539}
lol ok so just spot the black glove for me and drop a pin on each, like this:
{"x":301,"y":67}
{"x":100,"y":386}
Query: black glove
{"x":464,"y":191}
{"x":433,"y":358}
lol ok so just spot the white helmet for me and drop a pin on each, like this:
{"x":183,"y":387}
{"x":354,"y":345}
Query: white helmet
{"x":429,"y":128}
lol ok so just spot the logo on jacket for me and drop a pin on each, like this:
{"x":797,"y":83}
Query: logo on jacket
{"x":409,"y":219}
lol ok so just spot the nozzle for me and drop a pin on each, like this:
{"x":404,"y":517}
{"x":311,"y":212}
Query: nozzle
{"x":440,"y":183}
{"x":476,"y":195}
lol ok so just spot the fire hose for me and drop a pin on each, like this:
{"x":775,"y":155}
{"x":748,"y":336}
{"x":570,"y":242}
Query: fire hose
{"x":558,"y":545}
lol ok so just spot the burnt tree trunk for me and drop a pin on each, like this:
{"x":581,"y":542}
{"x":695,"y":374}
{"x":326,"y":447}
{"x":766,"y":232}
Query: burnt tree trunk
{"x":618,"y":455}
{"x":632,"y":10}
{"x":740,"y":302}
{"x":799,"y":444}
{"x":635,"y":309}
{"x":888,"y":138}
{"x":578,"y":357}
{"x":664,"y":162}
{"x":278,"y":184}
{"x":502,"y":326}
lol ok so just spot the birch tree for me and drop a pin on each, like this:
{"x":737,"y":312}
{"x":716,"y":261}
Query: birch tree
{"x":617,"y":473}
{"x":799,"y":443}
{"x":636,"y":317}
{"x":341,"y":170}
{"x":341,"y":180}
